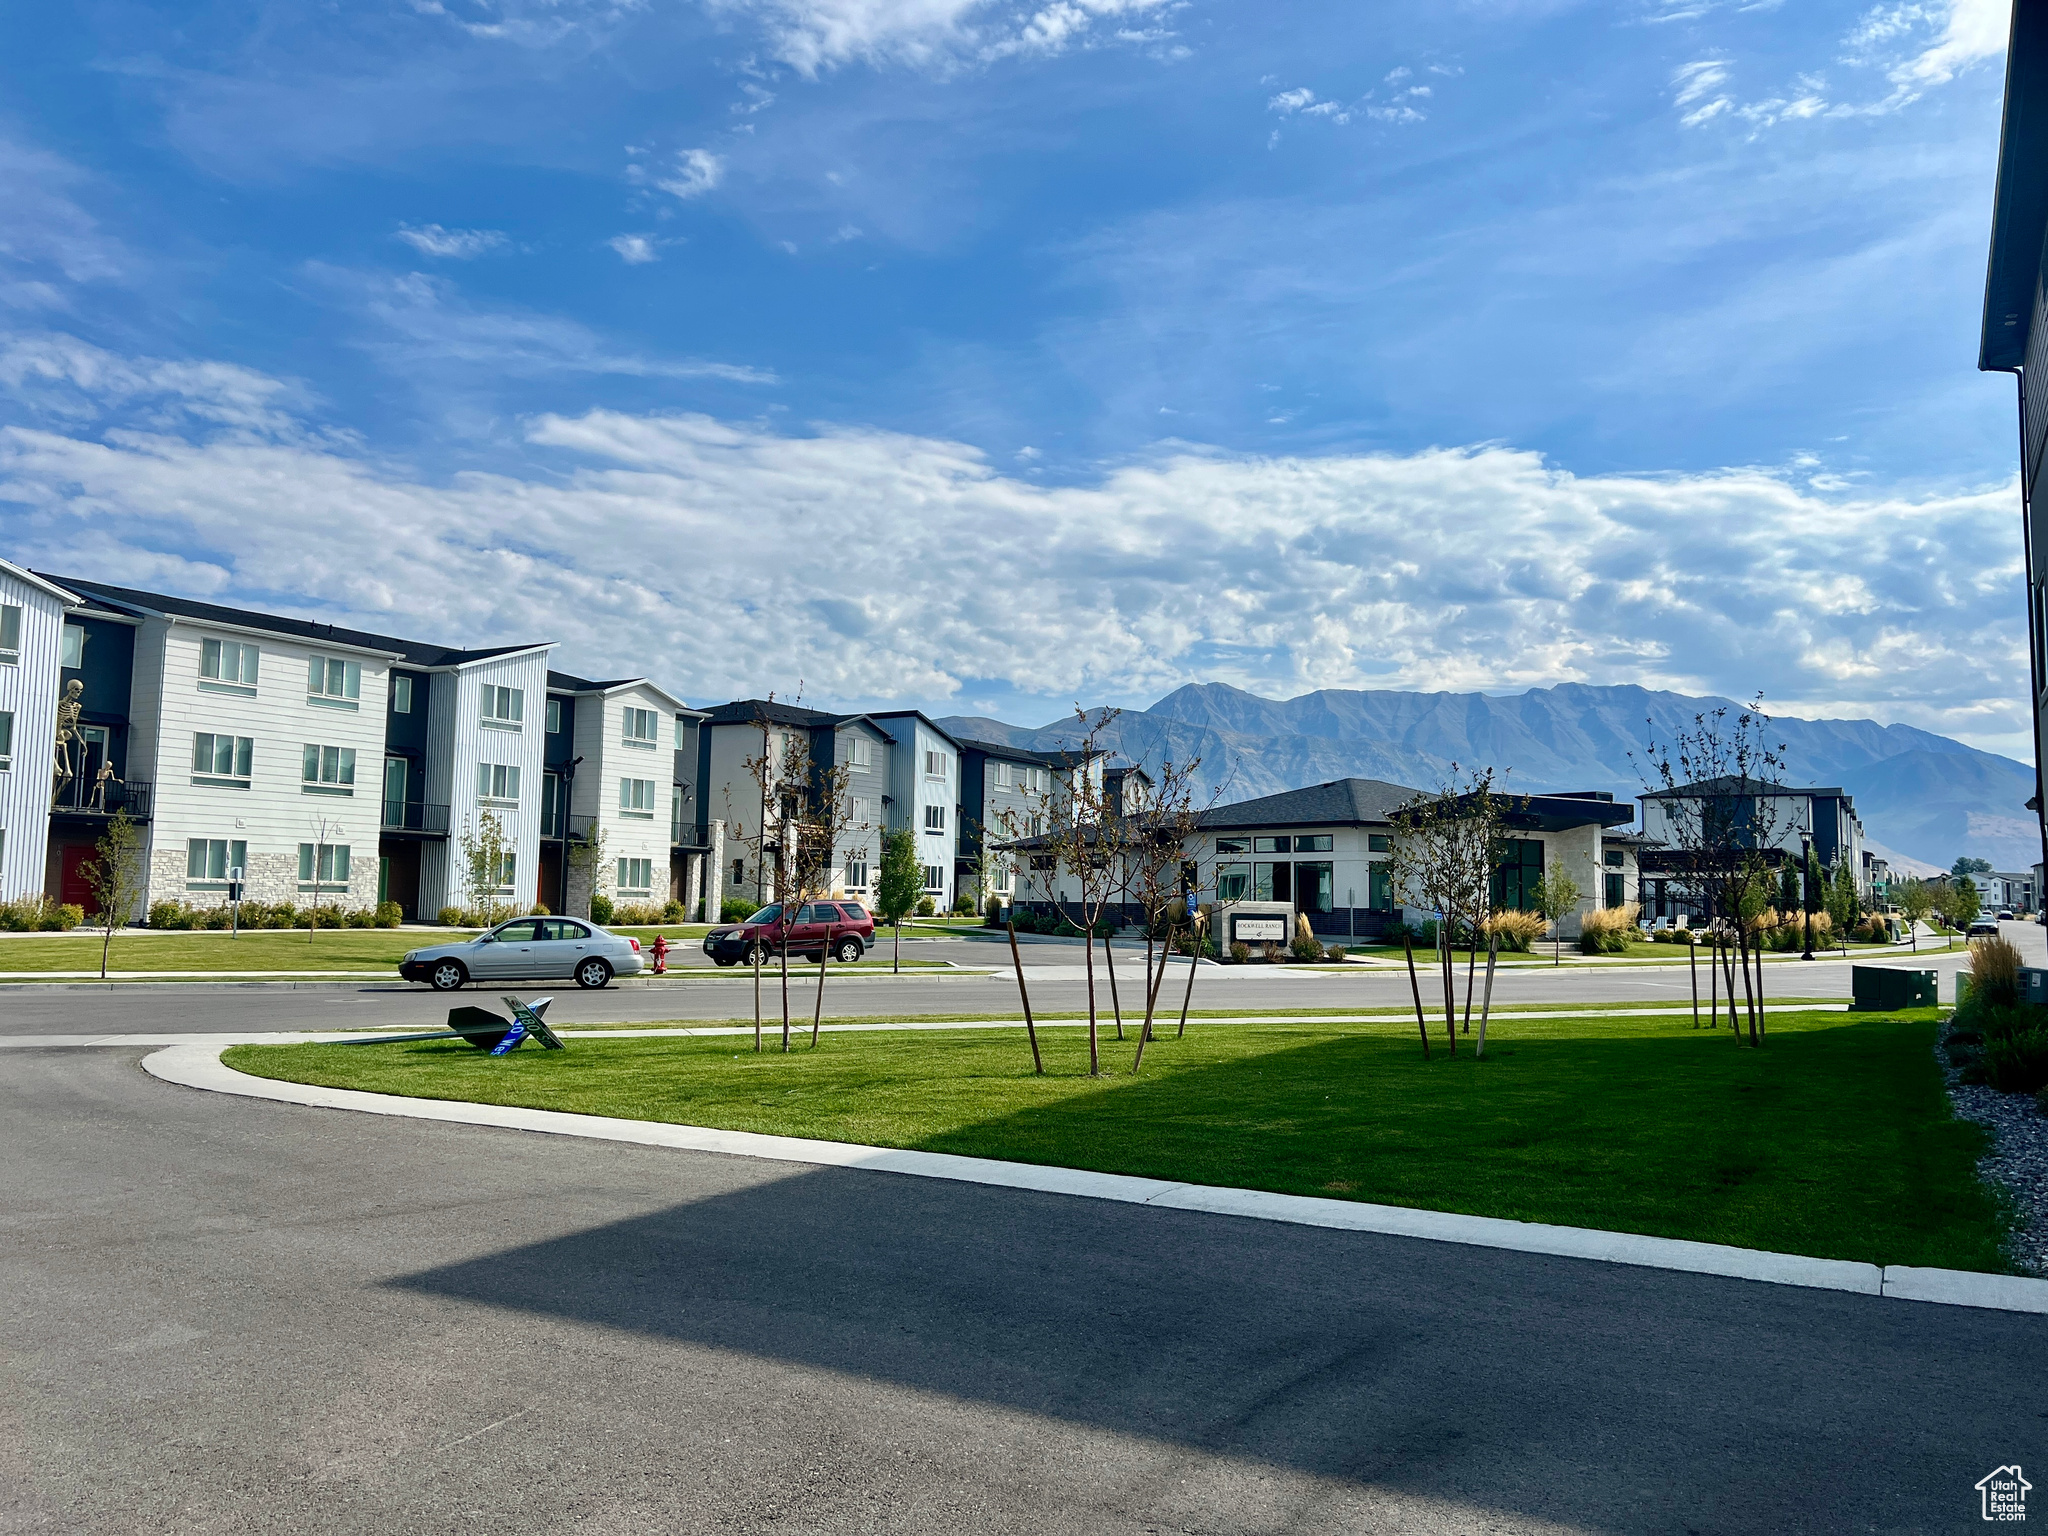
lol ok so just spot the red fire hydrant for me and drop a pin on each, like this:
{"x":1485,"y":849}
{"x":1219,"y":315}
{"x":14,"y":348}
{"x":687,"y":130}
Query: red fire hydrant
{"x":660,"y":953}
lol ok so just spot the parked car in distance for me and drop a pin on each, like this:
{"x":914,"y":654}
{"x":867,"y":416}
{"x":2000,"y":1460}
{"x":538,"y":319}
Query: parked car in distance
{"x":1983,"y":926}
{"x":848,"y":925}
{"x":2004,"y":916}
{"x":527,"y":949}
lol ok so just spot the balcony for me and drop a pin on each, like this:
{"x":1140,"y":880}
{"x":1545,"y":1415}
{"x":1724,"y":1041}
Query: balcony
{"x":415,"y":818}
{"x":97,"y":800}
{"x":689,"y":834}
{"x":551,"y":825}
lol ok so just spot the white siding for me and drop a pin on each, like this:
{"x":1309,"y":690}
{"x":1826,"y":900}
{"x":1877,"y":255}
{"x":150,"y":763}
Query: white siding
{"x":277,"y":811}
{"x":28,"y":689}
{"x":470,"y":741}
{"x":609,"y":757}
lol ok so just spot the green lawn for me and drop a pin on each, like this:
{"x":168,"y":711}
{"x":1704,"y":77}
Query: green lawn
{"x":1835,"y":1140}
{"x":281,"y":949}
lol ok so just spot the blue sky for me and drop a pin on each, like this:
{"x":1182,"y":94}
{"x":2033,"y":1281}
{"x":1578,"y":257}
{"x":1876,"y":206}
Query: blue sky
{"x":987,"y":356}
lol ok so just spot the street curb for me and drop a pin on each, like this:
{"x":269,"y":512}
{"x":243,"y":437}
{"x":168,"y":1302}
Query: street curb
{"x":200,"y":1066}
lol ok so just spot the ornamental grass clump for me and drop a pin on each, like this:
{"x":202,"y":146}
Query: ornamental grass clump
{"x":1517,"y":931}
{"x":1994,"y":972}
{"x":1608,"y":931}
{"x":1305,"y":946}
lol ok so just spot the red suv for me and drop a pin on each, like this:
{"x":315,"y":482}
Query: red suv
{"x":845,"y":925}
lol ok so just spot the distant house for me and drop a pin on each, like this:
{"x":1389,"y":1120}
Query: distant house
{"x":1769,"y":816}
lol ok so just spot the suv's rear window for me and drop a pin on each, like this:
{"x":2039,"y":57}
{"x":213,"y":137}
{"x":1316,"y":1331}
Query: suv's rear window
{"x":853,"y":912}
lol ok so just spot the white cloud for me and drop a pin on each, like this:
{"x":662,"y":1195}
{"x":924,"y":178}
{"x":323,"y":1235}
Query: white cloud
{"x":48,"y":241}
{"x":939,"y":35}
{"x":1973,"y":30}
{"x":58,"y":375}
{"x":635,"y":250}
{"x":1691,"y":81}
{"x":697,"y":171}
{"x":456,"y":244}
{"x":1303,"y":101}
{"x":1192,"y":565}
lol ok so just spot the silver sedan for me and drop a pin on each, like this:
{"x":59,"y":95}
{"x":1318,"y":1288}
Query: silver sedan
{"x":527,"y":949}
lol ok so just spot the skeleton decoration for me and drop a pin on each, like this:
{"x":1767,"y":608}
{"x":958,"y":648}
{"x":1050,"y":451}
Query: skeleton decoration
{"x":69,"y":707}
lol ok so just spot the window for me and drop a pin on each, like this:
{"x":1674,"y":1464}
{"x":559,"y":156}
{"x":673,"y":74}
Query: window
{"x":503,"y":707}
{"x":210,"y":858}
{"x":551,"y":807}
{"x":401,"y":695}
{"x":323,"y":864}
{"x":507,"y":871}
{"x":1381,"y":895}
{"x":679,"y":733}
{"x":74,"y":645}
{"x":1617,"y":891}
{"x":497,"y":781}
{"x":1376,"y":842}
{"x":1004,"y":878}
{"x":1320,"y":843}
{"x":230,"y":663}
{"x":1521,"y":869}
{"x":6,"y":739}
{"x":935,"y":877}
{"x":937,"y":763}
{"x":636,"y":877}
{"x":1272,"y":882}
{"x":1269,"y":845}
{"x":1043,"y":863}
{"x":333,"y":682}
{"x":327,"y":770}
{"x":999,"y":775}
{"x":860,"y":752}
{"x":640,"y":728}
{"x":862,"y":811}
{"x":219,"y":759}
{"x":10,"y":633}
{"x":857,"y":874}
{"x":1614,"y":859}
{"x":935,"y":818}
{"x":636,"y":798}
{"x":1315,"y":888}
{"x":554,"y":717}
{"x":1233,"y":845}
{"x":739,"y":871}
{"x":1233,"y":881}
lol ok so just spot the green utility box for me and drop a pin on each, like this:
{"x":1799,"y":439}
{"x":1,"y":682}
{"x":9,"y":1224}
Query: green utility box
{"x":1883,"y":988}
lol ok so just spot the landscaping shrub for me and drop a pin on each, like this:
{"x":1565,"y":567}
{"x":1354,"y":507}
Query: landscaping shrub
{"x":39,"y":914}
{"x":1994,"y":972}
{"x":327,"y":915}
{"x":1305,"y":946}
{"x":635,"y":914}
{"x":672,"y":912}
{"x":1240,"y":952}
{"x":389,"y":914}
{"x":451,"y":917}
{"x":1335,"y":952}
{"x":1517,"y":931}
{"x":362,"y":917}
{"x":926,"y":907}
{"x":538,"y":909}
{"x":963,"y":905}
{"x":1608,"y":931}
{"x":67,"y":916}
{"x":737,"y":909}
{"x":2017,"y":1064}
{"x":1425,"y":935}
{"x":169,"y":914}
{"x":600,"y":908}
{"x":1272,"y":954}
{"x":992,"y":912}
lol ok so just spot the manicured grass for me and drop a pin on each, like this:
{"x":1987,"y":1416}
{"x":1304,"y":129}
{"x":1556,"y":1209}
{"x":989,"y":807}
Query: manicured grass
{"x":1834,"y":1140}
{"x":268,"y":949}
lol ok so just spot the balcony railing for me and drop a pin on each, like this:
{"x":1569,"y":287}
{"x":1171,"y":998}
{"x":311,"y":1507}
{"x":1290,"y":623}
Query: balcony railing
{"x":551,"y":825}
{"x":102,"y":797}
{"x":416,"y":816}
{"x":689,"y":834}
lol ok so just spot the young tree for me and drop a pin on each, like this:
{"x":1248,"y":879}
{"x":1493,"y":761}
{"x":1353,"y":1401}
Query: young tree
{"x":1445,"y":850}
{"x":1915,"y":901}
{"x":1159,"y":876}
{"x":1717,"y":781}
{"x":1087,"y":840}
{"x":116,"y":879}
{"x":898,"y":884}
{"x":1557,"y":898}
{"x":482,"y":849}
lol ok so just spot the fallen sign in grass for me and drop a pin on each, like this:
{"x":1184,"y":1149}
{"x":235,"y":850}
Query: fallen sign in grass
{"x":1835,"y":1141}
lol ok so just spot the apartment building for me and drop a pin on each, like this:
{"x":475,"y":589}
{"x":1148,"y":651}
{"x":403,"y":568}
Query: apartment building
{"x":327,"y":764}
{"x":1777,"y":819}
{"x":902,"y":773}
{"x":1006,"y":793}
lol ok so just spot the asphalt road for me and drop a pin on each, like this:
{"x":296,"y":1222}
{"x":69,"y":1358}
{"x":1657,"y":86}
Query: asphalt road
{"x":1052,"y":972}
{"x":230,"y":1316}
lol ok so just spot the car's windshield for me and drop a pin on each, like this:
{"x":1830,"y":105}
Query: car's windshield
{"x":767,"y":914}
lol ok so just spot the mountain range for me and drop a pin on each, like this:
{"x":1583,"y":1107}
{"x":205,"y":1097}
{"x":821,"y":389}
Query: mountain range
{"x":1922,"y":796}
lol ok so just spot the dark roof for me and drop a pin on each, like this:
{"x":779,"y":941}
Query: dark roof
{"x":1017,"y":754}
{"x":1732,"y":784}
{"x":568,"y":682}
{"x":751,"y":711}
{"x":419,"y":653}
{"x":1341,"y":802}
{"x":2019,"y":209}
{"x":1554,"y":813}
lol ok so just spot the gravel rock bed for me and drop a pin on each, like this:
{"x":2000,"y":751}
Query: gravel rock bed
{"x":2017,"y":1162}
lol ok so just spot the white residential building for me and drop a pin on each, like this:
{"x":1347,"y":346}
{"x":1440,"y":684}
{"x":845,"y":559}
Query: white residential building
{"x":31,"y":632}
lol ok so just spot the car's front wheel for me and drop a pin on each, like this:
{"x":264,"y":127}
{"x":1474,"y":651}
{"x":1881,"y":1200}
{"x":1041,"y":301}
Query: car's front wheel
{"x":593,"y":974}
{"x":723,"y":962}
{"x":847,"y":952}
{"x":447,"y":976}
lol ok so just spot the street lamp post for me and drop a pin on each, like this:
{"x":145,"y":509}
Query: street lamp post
{"x":1806,"y":888}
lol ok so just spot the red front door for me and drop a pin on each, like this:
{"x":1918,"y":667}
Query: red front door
{"x":74,"y":884}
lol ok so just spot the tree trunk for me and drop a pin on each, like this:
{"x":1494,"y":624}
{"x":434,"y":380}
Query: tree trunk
{"x":106,"y":945}
{"x":1486,"y":1007}
{"x":1088,"y":955}
{"x":1024,"y":995}
{"x":755,"y":950}
{"x":1759,"y":1014}
{"x":1728,"y":969}
{"x":818,"y":1009}
{"x":1188,"y":996}
{"x":1150,"y":990}
{"x":1443,"y":952}
{"x":1692,"y":960}
{"x":1471,"y":963}
{"x":1153,"y":984}
{"x":1713,"y":980}
{"x":784,"y":951}
{"x":1748,"y":992}
{"x":896,"y":954}
{"x":1415,"y":986}
{"x":1115,"y":1003}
